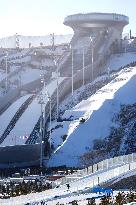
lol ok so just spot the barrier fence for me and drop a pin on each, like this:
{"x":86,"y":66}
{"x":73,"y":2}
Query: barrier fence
{"x":102,"y":171}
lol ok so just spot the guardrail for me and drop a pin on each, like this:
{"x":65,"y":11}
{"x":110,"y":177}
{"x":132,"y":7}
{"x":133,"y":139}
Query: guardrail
{"x":108,"y":169}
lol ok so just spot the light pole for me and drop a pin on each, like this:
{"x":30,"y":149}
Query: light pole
{"x":57,"y":76}
{"x":41,"y":101}
{"x":92,"y":59}
{"x":43,"y":83}
{"x":42,"y":80}
{"x":83,"y":66}
{"x":72,"y":72}
{"x":50,"y":118}
{"x":72,"y":68}
{"x":49,"y":99}
{"x":6,"y":63}
{"x":108,"y":72}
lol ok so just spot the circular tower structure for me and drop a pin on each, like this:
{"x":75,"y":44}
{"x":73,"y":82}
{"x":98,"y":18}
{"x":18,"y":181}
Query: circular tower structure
{"x":96,"y":25}
{"x":95,"y":20}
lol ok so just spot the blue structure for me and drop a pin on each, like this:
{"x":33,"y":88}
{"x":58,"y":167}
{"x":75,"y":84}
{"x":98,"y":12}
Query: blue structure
{"x":106,"y":191}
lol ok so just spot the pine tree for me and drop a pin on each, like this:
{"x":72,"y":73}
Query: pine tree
{"x":105,"y":201}
{"x":131,"y":197}
{"x":119,"y":199}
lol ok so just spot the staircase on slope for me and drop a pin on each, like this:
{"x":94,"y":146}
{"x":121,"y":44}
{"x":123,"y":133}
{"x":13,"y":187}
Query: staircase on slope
{"x":34,"y":136}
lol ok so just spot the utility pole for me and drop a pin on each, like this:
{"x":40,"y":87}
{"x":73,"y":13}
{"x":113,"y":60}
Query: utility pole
{"x":50,"y":118}
{"x":72,"y":69}
{"x":108,"y":71}
{"x":57,"y":76}
{"x":41,"y":137}
{"x":6,"y":64}
{"x":72,"y":72}
{"x":49,"y":99}
{"x":92,"y":58}
{"x":42,"y":80}
{"x":41,"y":101}
{"x":83,"y":66}
{"x":57,"y":93}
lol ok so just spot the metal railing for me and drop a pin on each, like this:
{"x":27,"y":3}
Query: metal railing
{"x":102,"y":171}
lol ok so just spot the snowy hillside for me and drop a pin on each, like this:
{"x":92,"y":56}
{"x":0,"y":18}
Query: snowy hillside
{"x":80,"y":191}
{"x":27,"y":120}
{"x":124,"y":180}
{"x":74,"y":137}
{"x":117,"y":61}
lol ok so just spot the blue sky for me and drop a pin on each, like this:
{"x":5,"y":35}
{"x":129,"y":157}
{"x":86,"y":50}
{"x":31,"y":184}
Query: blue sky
{"x":41,"y":17}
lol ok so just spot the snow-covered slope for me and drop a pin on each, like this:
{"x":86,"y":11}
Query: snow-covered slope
{"x":117,"y":61}
{"x":29,"y":118}
{"x":24,"y":75}
{"x":80,"y":190}
{"x":98,"y":112}
{"x":125,"y":176}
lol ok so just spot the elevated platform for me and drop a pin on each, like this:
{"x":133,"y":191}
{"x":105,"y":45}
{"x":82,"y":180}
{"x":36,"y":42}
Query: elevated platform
{"x":96,"y":20}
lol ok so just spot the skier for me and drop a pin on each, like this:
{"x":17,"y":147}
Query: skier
{"x":68,"y":186}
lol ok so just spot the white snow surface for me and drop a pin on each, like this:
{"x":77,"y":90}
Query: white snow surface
{"x":124,"y":176}
{"x":79,"y":190}
{"x":25,"y":75}
{"x":117,"y":61}
{"x":2,"y":74}
{"x":98,"y":111}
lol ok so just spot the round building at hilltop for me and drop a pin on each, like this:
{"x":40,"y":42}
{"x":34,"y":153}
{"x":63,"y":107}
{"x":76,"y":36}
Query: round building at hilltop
{"x":96,"y":36}
{"x":96,"y":20}
{"x":97,"y":25}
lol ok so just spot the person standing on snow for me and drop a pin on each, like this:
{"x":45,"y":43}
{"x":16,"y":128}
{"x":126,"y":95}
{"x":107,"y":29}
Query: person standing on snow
{"x":68,"y":186}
